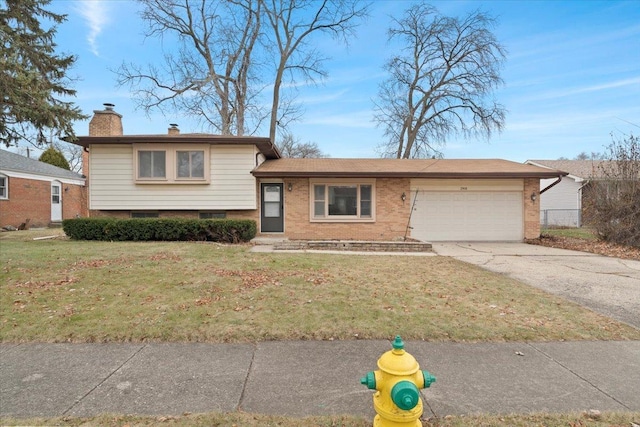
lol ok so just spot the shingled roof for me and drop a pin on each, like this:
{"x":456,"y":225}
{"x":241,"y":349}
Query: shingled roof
{"x":15,"y":162}
{"x":584,"y":169}
{"x":401,"y":168}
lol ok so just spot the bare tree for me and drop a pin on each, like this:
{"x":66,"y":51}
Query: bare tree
{"x":293,"y":23}
{"x":211,"y":75}
{"x":440,"y":83}
{"x":612,"y":201}
{"x":224,"y":48}
{"x":291,"y":146}
{"x":73,"y":154}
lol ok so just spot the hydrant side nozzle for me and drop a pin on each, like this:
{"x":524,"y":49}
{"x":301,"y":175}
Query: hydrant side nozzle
{"x":369,"y":380}
{"x":405,"y":395}
{"x":428,"y":379}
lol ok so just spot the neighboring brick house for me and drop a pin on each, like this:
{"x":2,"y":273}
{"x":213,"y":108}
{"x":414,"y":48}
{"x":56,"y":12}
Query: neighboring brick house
{"x":43,"y":193}
{"x":562,"y":204}
{"x":204,"y":176}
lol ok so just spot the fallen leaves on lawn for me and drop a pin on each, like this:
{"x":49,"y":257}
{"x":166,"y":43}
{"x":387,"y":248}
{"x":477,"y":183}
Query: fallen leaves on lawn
{"x":44,"y":284}
{"x":591,"y":246}
{"x":254,"y":279}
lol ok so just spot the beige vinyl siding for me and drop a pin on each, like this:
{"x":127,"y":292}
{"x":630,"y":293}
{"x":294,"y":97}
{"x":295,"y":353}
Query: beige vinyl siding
{"x":564,"y":195}
{"x":112,"y":184}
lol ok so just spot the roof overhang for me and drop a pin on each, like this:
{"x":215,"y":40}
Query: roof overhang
{"x":451,"y":175}
{"x":401,"y":168}
{"x":264,"y":145}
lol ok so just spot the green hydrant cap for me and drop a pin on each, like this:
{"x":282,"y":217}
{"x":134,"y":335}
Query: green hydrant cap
{"x":428,"y":379}
{"x":398,"y":344}
{"x":405,"y":395}
{"x":369,"y":380}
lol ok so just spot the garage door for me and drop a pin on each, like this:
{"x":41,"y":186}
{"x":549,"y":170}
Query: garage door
{"x":467,"y":216}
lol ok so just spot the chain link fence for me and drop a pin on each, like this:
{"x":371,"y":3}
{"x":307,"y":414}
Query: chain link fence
{"x":550,"y":218}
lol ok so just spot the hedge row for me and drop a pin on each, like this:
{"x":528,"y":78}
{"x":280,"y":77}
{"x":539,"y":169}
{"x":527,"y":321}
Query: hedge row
{"x":110,"y":229}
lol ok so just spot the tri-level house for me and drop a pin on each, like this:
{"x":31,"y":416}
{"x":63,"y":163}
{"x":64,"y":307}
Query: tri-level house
{"x":212,"y":176}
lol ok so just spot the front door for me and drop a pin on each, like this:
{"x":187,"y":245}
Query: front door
{"x":56,"y":201}
{"x":271,"y":212}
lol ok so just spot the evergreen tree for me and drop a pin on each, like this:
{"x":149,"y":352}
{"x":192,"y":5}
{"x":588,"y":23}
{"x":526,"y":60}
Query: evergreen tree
{"x":55,"y":158}
{"x":33,"y":77}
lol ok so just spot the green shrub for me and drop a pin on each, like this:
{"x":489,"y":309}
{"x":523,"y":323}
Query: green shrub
{"x":110,"y":229}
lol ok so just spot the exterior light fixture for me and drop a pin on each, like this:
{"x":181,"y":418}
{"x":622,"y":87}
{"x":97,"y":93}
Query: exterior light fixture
{"x":534,"y":196}
{"x":290,"y":187}
{"x":404,"y":196}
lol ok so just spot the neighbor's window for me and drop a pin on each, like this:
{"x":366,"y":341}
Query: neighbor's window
{"x":55,"y":194}
{"x":340,"y":201}
{"x":190,"y":164}
{"x":4,"y":187}
{"x":152,"y":164}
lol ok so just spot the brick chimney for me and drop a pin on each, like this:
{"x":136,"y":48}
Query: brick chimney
{"x":173,"y":129}
{"x":105,"y":122}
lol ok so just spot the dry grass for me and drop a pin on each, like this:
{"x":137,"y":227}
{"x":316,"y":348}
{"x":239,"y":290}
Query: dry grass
{"x":252,"y":420}
{"x":66,"y":291}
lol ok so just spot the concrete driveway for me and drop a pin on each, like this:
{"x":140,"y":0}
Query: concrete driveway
{"x":610,"y":286}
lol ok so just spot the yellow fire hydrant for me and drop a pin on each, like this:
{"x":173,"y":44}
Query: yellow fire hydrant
{"x":398,"y":382}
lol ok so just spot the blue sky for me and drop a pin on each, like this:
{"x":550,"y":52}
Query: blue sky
{"x":572,"y":76}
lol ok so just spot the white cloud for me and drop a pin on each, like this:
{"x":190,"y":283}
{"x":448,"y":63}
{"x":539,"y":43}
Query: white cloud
{"x":95,"y":15}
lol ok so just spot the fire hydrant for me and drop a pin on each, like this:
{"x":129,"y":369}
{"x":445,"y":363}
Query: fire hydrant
{"x":398,"y":382}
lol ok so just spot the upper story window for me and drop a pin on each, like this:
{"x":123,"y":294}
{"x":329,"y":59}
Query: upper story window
{"x":152,"y":164}
{"x":4,"y":187}
{"x":342,"y":201}
{"x":164,"y":163}
{"x":190,"y":164}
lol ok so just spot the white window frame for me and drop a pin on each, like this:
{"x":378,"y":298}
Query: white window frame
{"x":342,"y":183}
{"x":171,"y":166}
{"x":4,"y":194}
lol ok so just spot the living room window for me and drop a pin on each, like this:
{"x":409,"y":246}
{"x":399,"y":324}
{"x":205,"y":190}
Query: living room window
{"x":166,"y":164}
{"x":342,"y":201}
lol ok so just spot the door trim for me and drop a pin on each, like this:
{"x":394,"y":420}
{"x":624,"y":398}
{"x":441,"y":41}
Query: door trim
{"x":274,"y":222}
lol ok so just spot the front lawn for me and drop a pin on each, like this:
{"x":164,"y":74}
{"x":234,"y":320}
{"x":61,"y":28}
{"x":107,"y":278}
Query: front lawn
{"x":58,"y":290}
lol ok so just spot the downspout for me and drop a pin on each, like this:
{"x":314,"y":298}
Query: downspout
{"x":551,"y":185}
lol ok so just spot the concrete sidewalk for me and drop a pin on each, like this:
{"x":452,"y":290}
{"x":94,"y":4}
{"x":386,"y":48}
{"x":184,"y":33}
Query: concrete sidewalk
{"x":312,"y":377}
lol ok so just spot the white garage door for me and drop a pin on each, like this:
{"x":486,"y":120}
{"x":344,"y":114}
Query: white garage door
{"x":468,"y":216}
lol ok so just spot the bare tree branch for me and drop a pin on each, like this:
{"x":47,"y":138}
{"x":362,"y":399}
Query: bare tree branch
{"x":291,"y":30}
{"x":440,"y":83}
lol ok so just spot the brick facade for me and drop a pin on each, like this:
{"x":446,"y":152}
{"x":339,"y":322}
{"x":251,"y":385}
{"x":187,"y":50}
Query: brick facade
{"x":30,"y":198}
{"x":531,"y":208}
{"x":392,"y":214}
